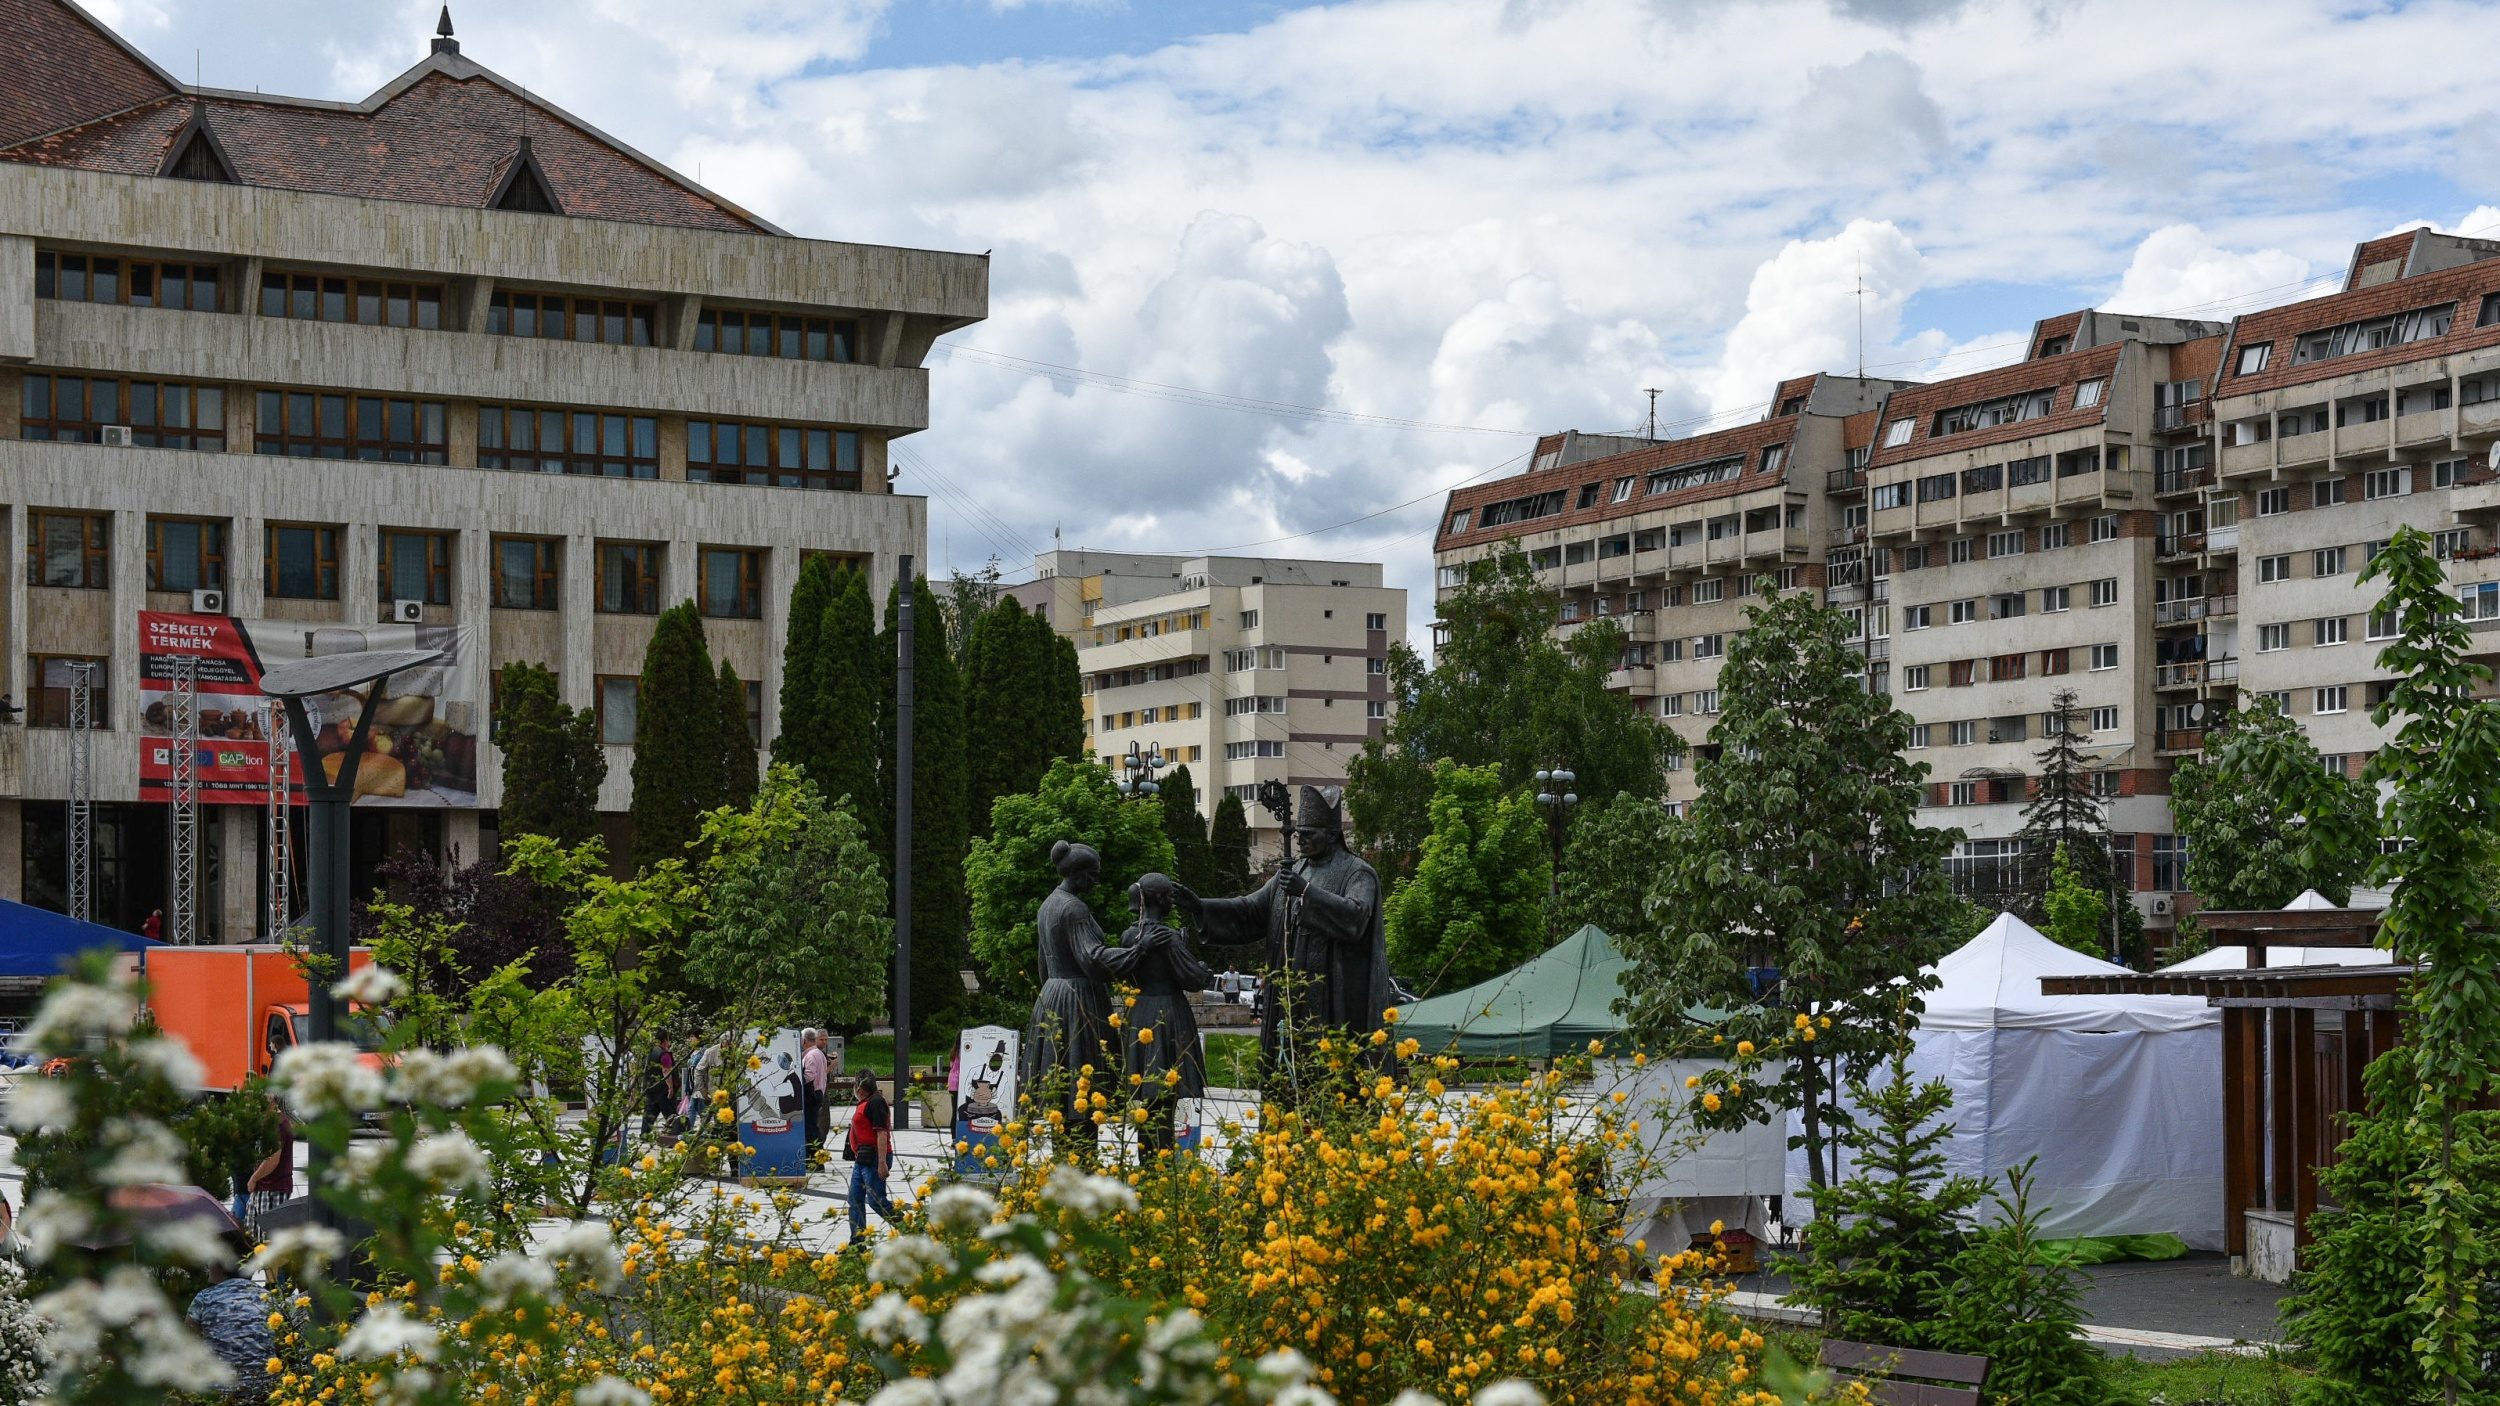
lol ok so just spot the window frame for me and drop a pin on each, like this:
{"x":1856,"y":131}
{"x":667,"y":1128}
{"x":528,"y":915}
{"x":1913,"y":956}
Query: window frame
{"x":438,"y":554}
{"x":41,"y":702}
{"x":299,"y":296}
{"x":746,"y":599}
{"x":274,"y":415}
{"x":212,"y":563}
{"x":600,"y":711}
{"x":593,"y":443}
{"x":324,"y":566}
{"x":51,"y":264}
{"x":635,"y":321}
{"x":777,"y":333}
{"x":778,"y":440}
{"x":545,"y":573}
{"x":649,"y":559}
{"x":199,"y":400}
{"x":95,"y":551}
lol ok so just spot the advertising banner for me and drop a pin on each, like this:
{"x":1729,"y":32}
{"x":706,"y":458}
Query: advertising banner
{"x":424,"y":745}
{"x":985,"y":1074}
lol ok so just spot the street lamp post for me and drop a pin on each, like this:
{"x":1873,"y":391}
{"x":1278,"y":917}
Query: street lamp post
{"x":1137,"y":771}
{"x":1555,"y":797}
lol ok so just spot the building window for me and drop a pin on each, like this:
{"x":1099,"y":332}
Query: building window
{"x":1917,"y":617}
{"x":553,"y":315}
{"x":159,"y":414}
{"x":2105,"y":591}
{"x":1709,"y":646}
{"x":1963,"y":793}
{"x":2055,"y":535}
{"x":2382,"y":624}
{"x":1623,"y":490}
{"x":1962,"y":734}
{"x":1986,"y":414}
{"x":732,"y":582}
{"x":2273,"y":637}
{"x":2329,"y":631}
{"x":1774,"y":458}
{"x":70,"y":549}
{"x":781,"y":456}
{"x":2054,"y":599}
{"x":2326,"y":493}
{"x":2387,"y":483}
{"x":629,"y":578}
{"x":1914,"y":678}
{"x":580,"y":442}
{"x":1376,"y":708}
{"x":2054,"y":662}
{"x":1961,"y":673}
{"x":324,"y":425}
{"x":2104,"y":656}
{"x":141,"y":283}
{"x":416,"y":566}
{"x":2103,"y":528}
{"x":2008,"y":606}
{"x":1380,"y":621}
{"x":2449,"y":543}
{"x":2480,"y":601}
{"x":2254,"y":359}
{"x":2329,"y":700}
{"x":1671,"y":705}
{"x":1890,"y":495}
{"x":781,"y":335}
{"x":1709,"y":592}
{"x":1919,"y":736}
{"x":2274,"y":568}
{"x":375,"y":302}
{"x":1706,"y":702}
{"x":2170,"y":854}
{"x":1249,"y":619}
{"x":2005,"y":544}
{"x":53,"y":676}
{"x":2088,"y":393}
{"x":2327,"y":561}
{"x":1897,"y":433}
{"x":1964,"y":611}
{"x":525,"y":573}
{"x":2421,"y":324}
{"x":1375,"y":665}
{"x":186,"y":554}
{"x":2274,"y":502}
{"x":1458,"y":524}
{"x":619,"y":697}
{"x":2105,"y":720}
{"x":300,"y":562}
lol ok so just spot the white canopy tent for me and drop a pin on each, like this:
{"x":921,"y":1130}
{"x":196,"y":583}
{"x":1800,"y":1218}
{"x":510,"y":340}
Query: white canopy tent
{"x":2118,"y":1097}
{"x":2235,"y":958}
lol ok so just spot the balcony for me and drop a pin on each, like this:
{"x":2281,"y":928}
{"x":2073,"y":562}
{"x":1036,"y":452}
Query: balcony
{"x":2222,"y":541}
{"x":2178,"y":544}
{"x":2181,"y":741}
{"x":2369,"y":437}
{"x":2197,"y":673}
{"x":1844,"y":480}
{"x":1639,"y":678}
{"x":2479,"y":418}
{"x":2180,"y":612}
{"x":2475,"y":498}
{"x":2423,"y":427}
{"x":1877,"y":651}
{"x":2171,"y":482}
{"x":2242,"y":459}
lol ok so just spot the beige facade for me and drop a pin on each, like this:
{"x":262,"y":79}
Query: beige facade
{"x":1245,"y":669}
{"x":889,"y":305}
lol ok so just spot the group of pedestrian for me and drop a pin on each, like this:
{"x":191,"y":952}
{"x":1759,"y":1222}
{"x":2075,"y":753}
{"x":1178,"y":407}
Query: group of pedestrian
{"x":868,"y":1144}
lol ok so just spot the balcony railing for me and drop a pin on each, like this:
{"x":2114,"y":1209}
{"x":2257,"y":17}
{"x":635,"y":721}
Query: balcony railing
{"x":1844,"y":480}
{"x":2179,"y":544}
{"x":2185,"y":739}
{"x":2176,"y":612}
{"x":2168,"y":481}
{"x":2193,"y":673}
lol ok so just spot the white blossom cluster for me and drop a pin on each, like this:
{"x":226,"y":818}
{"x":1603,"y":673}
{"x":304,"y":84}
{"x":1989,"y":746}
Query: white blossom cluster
{"x":23,"y":1351}
{"x":127,"y":1313}
{"x":1090,"y":1196}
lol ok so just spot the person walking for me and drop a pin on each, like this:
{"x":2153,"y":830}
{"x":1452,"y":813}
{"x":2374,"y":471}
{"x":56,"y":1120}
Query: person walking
{"x":816,"y":1111}
{"x":272,"y":1182}
{"x":660,"y":1095}
{"x":870,"y":1146}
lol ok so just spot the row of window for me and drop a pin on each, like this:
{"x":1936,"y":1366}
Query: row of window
{"x":393,"y":429}
{"x":2009,"y":605}
{"x":2014,"y":473}
{"x":416,"y":303}
{"x":2365,"y":335}
{"x":1971,"y":732}
{"x":2004,"y":668}
{"x":1161,"y":625}
{"x":300,"y":561}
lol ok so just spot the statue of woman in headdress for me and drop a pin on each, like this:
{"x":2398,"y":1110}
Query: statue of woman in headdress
{"x":1159,"y":1035}
{"x":1071,"y":1026}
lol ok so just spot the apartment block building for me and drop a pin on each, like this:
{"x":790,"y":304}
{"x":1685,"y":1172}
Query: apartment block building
{"x":447,"y":358}
{"x":2165,"y":516}
{"x":1246,"y":669}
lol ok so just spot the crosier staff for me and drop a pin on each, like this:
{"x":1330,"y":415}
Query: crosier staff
{"x":1277,"y":800}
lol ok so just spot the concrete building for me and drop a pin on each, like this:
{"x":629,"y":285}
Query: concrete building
{"x":2166,"y":516}
{"x":1246,"y":669}
{"x":447,"y":354}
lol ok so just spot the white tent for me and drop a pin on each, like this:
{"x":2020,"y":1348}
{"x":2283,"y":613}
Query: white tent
{"x":2235,"y":958}
{"x":2119,"y":1097}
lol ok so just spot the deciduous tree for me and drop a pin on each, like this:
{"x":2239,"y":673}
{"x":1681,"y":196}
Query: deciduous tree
{"x":2264,"y":819}
{"x":1010,"y":873}
{"x":1475,"y":906}
{"x":2075,"y":913}
{"x":1613,"y":852}
{"x":553,"y":763}
{"x":798,"y":925}
{"x":1804,"y":880}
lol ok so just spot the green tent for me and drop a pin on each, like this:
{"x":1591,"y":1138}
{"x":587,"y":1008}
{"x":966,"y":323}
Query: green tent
{"x":1552,"y":1004}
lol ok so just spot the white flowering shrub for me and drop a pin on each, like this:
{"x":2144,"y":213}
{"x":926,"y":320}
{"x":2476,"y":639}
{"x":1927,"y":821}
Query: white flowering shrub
{"x":23,"y":1348}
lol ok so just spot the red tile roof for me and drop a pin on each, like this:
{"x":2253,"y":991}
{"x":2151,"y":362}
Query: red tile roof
{"x":442,"y":139}
{"x":2466,"y":285}
{"x":2057,"y":374}
{"x":58,"y":68}
{"x":1746,"y":440}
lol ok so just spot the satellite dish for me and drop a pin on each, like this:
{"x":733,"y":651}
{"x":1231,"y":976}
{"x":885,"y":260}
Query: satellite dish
{"x":2492,"y":460}
{"x":2197,"y":713}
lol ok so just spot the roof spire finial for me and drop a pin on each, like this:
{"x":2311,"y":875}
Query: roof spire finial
{"x":443,"y":42}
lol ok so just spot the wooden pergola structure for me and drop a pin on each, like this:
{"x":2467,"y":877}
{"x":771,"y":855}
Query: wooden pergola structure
{"x":2295,"y":1041}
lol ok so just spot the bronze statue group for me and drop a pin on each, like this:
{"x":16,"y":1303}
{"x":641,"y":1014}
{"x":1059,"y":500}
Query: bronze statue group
{"x":1313,"y":928}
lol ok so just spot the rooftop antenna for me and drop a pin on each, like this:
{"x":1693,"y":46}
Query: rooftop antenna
{"x":1861,"y":298}
{"x":1649,"y":431}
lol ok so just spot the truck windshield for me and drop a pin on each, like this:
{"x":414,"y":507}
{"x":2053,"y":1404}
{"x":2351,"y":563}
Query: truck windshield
{"x":367,"y":1030}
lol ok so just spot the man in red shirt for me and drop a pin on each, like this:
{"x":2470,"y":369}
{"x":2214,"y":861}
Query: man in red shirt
{"x":871,"y":1146}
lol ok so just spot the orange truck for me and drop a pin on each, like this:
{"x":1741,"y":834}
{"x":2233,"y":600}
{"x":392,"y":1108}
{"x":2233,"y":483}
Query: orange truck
{"x":237,"y":1007}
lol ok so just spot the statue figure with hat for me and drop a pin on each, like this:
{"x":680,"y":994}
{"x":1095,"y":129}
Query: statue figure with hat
{"x":1318,"y":919}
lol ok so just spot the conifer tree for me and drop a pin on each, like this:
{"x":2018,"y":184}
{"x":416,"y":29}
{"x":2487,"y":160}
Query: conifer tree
{"x":941,"y":833}
{"x":1193,"y":858}
{"x":800,"y":742}
{"x":737,"y":744}
{"x":1064,"y":687}
{"x":1007,"y":705}
{"x":677,"y":749}
{"x":856,"y":681}
{"x":2065,"y":818}
{"x":1228,"y":843}
{"x":553,"y":763}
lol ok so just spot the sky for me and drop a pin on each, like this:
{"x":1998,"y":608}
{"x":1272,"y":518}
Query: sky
{"x":1272,"y":278}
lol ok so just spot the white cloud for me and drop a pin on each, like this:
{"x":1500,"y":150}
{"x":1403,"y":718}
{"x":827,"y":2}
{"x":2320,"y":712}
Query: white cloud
{"x":1868,"y":118}
{"x":2180,"y":269}
{"x":1803,"y":310}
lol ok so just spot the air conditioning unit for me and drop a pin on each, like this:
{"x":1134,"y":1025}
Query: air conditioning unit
{"x":117,"y":436}
{"x":2162,"y":906}
{"x":208,"y":602}
{"x":407,"y":612}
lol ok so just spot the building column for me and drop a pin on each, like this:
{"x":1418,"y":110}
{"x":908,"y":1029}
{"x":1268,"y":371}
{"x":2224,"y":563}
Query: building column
{"x":239,"y":866}
{"x":461,"y":837}
{"x":12,"y":853}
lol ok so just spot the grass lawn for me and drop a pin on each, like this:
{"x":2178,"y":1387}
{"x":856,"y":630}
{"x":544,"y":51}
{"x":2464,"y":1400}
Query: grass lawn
{"x":2207,"y":1379}
{"x":877,"y":1052}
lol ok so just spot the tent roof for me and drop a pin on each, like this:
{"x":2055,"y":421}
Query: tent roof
{"x":38,"y":942}
{"x":1992,"y":982}
{"x":1554,"y":1003}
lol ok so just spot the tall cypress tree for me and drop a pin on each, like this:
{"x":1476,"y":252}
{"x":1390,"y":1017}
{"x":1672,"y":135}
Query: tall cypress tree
{"x":1064,"y":688}
{"x":737,"y":745}
{"x":677,"y":749}
{"x":1006,"y":705}
{"x":941,"y":833}
{"x":1229,"y":848}
{"x":552,"y":761}
{"x":856,"y":678}
{"x":1193,"y":857}
{"x":800,"y":742}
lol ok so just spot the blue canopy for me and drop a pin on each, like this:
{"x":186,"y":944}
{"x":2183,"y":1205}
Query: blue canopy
{"x":38,"y":942}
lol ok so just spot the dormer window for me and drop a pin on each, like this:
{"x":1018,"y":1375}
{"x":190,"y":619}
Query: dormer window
{"x":2254,"y":359}
{"x":2088,"y":394}
{"x":2056,"y":346}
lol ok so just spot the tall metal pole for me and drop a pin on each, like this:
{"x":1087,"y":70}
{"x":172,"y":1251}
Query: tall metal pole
{"x":281,"y":821}
{"x":81,"y":790}
{"x":184,"y":930}
{"x":904,"y":592}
